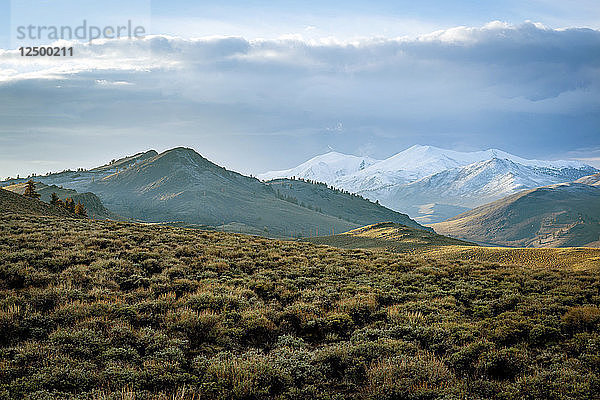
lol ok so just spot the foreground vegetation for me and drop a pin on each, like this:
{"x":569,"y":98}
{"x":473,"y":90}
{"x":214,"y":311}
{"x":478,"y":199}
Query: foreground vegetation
{"x":106,"y":310}
{"x":401,"y":239}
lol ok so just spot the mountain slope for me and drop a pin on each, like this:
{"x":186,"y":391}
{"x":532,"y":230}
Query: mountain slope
{"x":552,"y":216}
{"x":179,"y":185}
{"x":444,"y":182}
{"x":338,"y":203}
{"x":13,"y":203}
{"x":92,"y":203}
{"x":389,"y":236}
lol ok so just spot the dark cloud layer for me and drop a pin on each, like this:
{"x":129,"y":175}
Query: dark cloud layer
{"x":257,"y":105}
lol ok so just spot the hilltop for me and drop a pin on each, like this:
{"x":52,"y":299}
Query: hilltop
{"x":180,"y":187}
{"x":390,"y":236}
{"x":560,"y":215}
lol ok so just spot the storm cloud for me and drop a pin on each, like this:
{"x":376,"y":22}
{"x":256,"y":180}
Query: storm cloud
{"x":254,"y":105}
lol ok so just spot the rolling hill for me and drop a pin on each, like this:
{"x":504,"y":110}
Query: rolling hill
{"x":390,"y":236}
{"x":401,"y":239}
{"x":560,"y":215}
{"x":337,"y":203}
{"x":92,"y":203}
{"x":13,"y":203}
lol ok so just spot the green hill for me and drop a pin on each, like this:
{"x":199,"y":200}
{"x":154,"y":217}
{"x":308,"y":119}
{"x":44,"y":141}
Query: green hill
{"x":92,"y":203}
{"x":341,"y":204}
{"x":13,"y":203}
{"x":561,"y":215}
{"x":390,"y":236}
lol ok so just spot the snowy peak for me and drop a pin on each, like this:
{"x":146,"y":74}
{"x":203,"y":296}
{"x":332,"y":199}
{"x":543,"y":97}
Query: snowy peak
{"x":429,"y":159}
{"x":418,"y":160}
{"x":478,"y":183}
{"x":324,"y":168}
{"x":422,"y":175}
{"x":363,"y":173}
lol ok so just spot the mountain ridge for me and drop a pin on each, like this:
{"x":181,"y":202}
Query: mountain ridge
{"x":560,"y":215}
{"x":416,"y":178}
{"x":179,"y":186}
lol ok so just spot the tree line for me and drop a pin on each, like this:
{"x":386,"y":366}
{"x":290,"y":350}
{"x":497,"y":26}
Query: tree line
{"x":68,"y":203}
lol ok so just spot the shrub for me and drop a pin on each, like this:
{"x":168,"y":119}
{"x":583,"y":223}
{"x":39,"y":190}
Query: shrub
{"x":248,"y":377}
{"x":581,"y":318}
{"x":422,"y":376}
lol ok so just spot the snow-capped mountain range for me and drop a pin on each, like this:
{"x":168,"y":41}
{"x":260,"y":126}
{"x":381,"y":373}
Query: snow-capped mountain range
{"x":432,"y":184}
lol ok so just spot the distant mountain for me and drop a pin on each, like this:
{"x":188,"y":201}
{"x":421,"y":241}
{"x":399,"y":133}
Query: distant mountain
{"x":92,"y":203}
{"x":326,"y":168}
{"x":441,"y":182}
{"x":593,"y":180}
{"x":561,"y":215}
{"x":477,"y":183}
{"x":181,"y":187}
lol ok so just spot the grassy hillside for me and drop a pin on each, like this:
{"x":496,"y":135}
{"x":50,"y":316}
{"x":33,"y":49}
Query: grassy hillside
{"x":338,"y":203}
{"x":389,"y":236}
{"x":552,"y":216}
{"x":11,"y":203}
{"x":92,"y":203}
{"x":401,"y":239}
{"x":113,"y":310}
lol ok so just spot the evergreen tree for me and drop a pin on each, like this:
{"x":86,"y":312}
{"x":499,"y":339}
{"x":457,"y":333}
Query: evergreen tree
{"x":70,"y":204}
{"x":54,"y":199}
{"x":30,"y":190}
{"x":80,"y":210}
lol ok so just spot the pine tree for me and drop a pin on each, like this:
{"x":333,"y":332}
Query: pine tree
{"x":54,"y":199}
{"x":80,"y":210}
{"x":30,"y":190}
{"x":70,"y":204}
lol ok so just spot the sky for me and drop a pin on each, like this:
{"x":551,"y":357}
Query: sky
{"x":264,"y":85}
